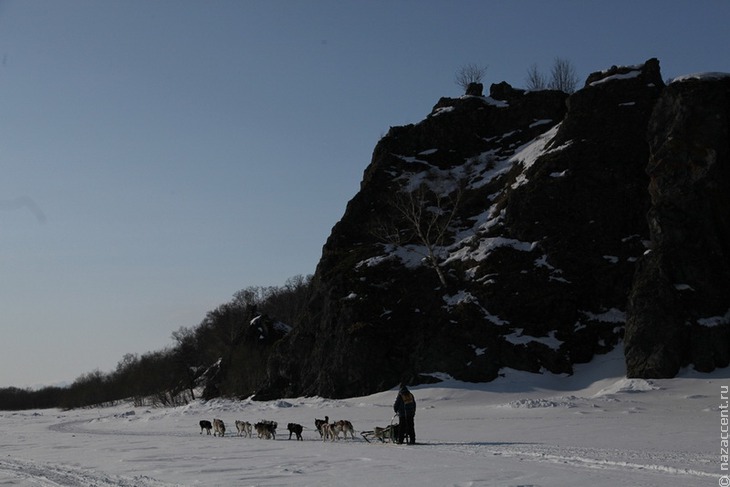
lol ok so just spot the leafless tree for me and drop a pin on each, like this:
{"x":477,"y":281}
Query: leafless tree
{"x":563,"y":76}
{"x":469,"y":73}
{"x":423,"y":217}
{"x":536,"y":80}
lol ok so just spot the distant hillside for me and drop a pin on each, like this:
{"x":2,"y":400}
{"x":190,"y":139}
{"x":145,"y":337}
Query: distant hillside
{"x":529,"y":230}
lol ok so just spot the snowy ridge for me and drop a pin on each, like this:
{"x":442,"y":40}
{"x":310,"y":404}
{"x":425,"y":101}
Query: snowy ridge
{"x":708,"y":75}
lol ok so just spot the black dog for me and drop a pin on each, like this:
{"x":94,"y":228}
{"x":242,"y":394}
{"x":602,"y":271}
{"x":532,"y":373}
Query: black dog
{"x":295,"y":429}
{"x":205,"y":425}
{"x":319,"y":422}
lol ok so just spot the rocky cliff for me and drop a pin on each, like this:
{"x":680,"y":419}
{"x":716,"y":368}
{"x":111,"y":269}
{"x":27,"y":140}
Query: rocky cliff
{"x":679,"y":306}
{"x":529,"y":230}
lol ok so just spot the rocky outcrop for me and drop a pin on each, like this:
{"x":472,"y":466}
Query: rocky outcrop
{"x":474,"y":89}
{"x":680,"y":300}
{"x":506,"y":231}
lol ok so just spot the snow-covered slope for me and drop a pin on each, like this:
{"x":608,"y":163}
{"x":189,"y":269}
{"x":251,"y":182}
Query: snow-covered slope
{"x":594,"y":428}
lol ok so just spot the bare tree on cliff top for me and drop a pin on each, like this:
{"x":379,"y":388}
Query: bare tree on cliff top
{"x":468,"y":74}
{"x":563,"y":76}
{"x":536,"y":80}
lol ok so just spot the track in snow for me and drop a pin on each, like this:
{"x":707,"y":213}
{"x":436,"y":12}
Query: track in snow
{"x":661,"y":462}
{"x":22,"y":472}
{"x":670,"y":463}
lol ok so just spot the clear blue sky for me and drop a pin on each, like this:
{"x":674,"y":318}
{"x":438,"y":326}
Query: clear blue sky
{"x":156,"y":156}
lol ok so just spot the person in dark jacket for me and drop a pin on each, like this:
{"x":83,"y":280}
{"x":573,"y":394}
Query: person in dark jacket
{"x":405,"y":407}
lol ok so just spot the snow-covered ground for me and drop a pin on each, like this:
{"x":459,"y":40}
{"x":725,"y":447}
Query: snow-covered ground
{"x":595,"y":429}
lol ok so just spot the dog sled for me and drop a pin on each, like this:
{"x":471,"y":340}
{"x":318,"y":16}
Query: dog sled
{"x":387,"y":434}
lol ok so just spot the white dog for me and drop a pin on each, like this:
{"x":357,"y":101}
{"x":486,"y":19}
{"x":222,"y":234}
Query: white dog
{"x":219,"y":428}
{"x":344,"y":427}
{"x":328,"y":431}
{"x":244,"y":428}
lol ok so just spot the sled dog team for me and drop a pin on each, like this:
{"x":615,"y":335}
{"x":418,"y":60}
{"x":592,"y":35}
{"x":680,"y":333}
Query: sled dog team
{"x":404,"y":407}
{"x":267,"y":429}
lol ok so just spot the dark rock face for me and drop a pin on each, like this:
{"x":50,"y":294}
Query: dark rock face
{"x":680,"y":301}
{"x":474,"y":89}
{"x":503,"y":91}
{"x":531,"y":218}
